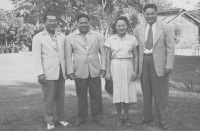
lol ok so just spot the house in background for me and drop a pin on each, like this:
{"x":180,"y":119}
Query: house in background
{"x":186,"y":25}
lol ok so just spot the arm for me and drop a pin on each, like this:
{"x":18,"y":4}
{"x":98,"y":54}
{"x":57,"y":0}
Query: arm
{"x":37,"y":56}
{"x":135,"y":61}
{"x":102,"y":51}
{"x":108,"y":63}
{"x":170,"y":48}
{"x":68,"y":58}
{"x":138,"y":49}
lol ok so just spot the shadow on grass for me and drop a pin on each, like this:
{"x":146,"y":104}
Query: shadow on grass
{"x":186,"y":73}
{"x":22,"y":110}
{"x":22,"y":107}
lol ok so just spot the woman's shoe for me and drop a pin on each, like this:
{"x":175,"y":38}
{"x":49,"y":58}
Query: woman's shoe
{"x":127,"y":122}
{"x":120,"y":122}
{"x":65,"y":123}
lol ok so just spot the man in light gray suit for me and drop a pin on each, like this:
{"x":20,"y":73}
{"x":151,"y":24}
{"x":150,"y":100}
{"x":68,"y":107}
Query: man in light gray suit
{"x":156,"y":58}
{"x":48,"y":53}
{"x":84,"y":47}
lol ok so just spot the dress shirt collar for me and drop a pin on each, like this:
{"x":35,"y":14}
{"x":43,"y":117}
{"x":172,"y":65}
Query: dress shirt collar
{"x":148,"y":25}
{"x":117,"y":37}
{"x":45,"y":32}
{"x":77,"y":32}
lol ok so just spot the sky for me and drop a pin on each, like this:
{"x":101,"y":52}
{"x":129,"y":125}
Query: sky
{"x":186,"y":4}
{"x":6,"y":5}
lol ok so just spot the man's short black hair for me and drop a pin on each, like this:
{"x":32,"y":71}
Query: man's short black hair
{"x":47,"y":14}
{"x":82,"y":15}
{"x":150,"y":6}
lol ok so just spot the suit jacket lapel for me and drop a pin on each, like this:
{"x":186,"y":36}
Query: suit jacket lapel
{"x":92,"y":40}
{"x":48,"y":39}
{"x":158,"y":32}
{"x":50,"y":42}
{"x":59,"y":41}
{"x":79,"y":39}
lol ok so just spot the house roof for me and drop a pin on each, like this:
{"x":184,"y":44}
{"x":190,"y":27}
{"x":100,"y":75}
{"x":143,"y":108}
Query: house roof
{"x":170,"y":11}
{"x":168,"y":16}
{"x":195,"y":12}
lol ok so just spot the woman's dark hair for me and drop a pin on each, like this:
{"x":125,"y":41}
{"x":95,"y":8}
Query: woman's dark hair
{"x":82,"y":16}
{"x":124,"y":18}
{"x":150,"y":6}
{"x":47,"y":14}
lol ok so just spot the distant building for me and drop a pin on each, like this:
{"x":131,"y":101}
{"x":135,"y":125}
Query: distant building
{"x":186,"y":25}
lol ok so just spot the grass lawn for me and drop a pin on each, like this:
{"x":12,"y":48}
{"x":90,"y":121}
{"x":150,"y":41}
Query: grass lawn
{"x":21,"y":103}
{"x":187,"y":71}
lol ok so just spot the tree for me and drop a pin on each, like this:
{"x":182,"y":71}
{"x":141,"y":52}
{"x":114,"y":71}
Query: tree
{"x":13,"y":27}
{"x":197,"y":6}
{"x":162,"y":4}
{"x":102,"y":12}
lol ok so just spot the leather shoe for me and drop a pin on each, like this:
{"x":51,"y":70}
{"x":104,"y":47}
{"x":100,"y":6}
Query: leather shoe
{"x":120,"y":122}
{"x":65,"y":123}
{"x":79,"y":122}
{"x":127,"y":122}
{"x":50,"y":127}
{"x":99,"y":122}
{"x":145,"y":121}
{"x":163,"y":125}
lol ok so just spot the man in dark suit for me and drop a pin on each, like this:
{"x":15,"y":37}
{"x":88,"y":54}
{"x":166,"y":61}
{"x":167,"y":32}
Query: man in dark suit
{"x":156,"y":58}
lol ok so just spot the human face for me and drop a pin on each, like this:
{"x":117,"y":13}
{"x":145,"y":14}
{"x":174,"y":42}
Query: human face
{"x":150,"y":15}
{"x":121,"y":27}
{"x":51,"y":23}
{"x":83,"y":25}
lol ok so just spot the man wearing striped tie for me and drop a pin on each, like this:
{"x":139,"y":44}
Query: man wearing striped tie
{"x":48,"y":53}
{"x":156,"y":58}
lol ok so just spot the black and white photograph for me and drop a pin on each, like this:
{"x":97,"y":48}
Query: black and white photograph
{"x":99,"y":65}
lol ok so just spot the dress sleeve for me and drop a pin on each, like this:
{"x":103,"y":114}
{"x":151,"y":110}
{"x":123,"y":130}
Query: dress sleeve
{"x":107,"y":43}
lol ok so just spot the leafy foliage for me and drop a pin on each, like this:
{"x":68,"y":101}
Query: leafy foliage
{"x":14,"y":29}
{"x":102,"y":12}
{"x":162,"y":4}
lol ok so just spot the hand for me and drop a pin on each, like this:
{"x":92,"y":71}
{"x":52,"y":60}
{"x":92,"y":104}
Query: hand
{"x":41,"y":79}
{"x":108,"y":76}
{"x":134,"y":76}
{"x":167,"y":71}
{"x":138,"y":76}
{"x":102,"y":73}
{"x":72,"y":76}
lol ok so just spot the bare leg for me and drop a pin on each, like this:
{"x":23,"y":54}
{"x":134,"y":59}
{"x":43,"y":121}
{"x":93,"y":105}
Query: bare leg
{"x":126,"y":114}
{"x":119,"y":111}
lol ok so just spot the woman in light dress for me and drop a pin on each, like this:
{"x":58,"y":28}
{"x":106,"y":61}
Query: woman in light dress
{"x":122,"y":63}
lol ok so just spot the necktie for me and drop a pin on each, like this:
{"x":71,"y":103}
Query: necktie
{"x":149,"y":42}
{"x":56,"y":43}
{"x":54,"y":39}
{"x":85,"y":41}
{"x":57,"y":48}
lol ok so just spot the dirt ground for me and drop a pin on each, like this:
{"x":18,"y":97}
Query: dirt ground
{"x":21,"y":103}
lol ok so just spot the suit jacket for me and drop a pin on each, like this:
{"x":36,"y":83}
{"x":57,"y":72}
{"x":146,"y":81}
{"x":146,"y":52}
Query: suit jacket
{"x":82,"y":60}
{"x":47,"y":59}
{"x":163,"y":50}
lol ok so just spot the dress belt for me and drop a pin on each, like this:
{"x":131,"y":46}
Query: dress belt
{"x":123,"y":58}
{"x":148,"y":54}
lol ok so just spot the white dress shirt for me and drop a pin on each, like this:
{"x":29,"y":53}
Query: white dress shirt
{"x":147,"y":51}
